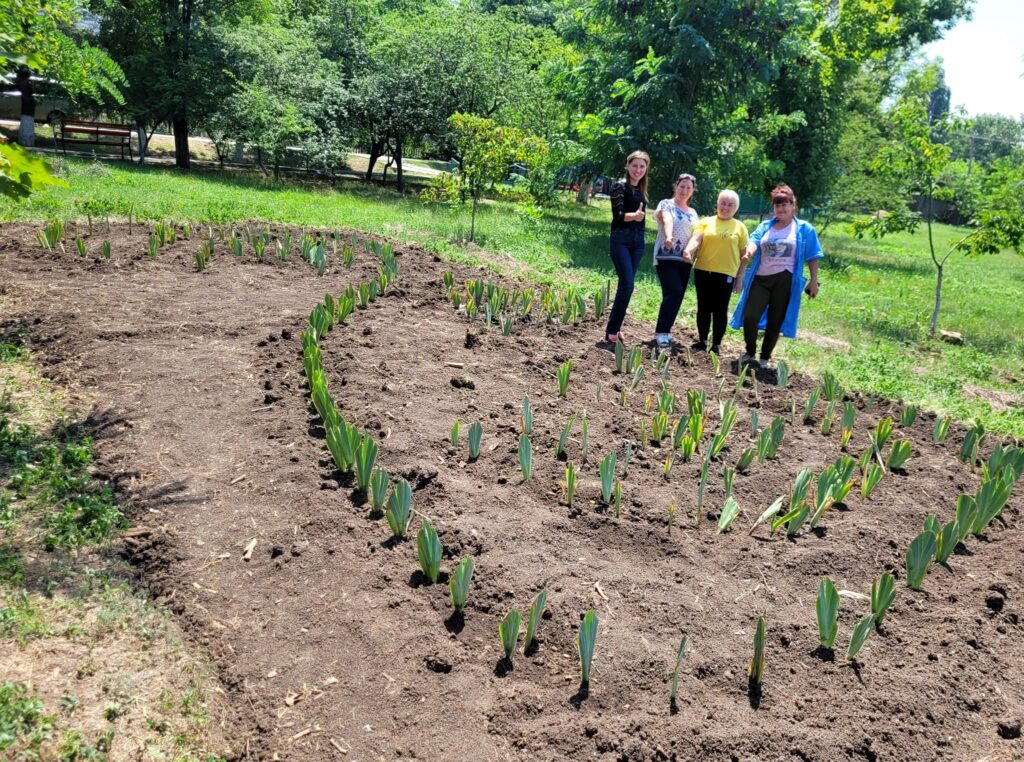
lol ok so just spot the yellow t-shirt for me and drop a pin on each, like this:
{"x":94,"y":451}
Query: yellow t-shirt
{"x":723,"y":242}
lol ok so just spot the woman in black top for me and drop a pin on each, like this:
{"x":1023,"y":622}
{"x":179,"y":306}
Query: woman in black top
{"x":629,"y":201}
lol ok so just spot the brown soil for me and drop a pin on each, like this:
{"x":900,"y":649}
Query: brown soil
{"x":327,"y":639}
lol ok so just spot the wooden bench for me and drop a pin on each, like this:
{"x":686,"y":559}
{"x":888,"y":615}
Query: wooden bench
{"x":94,"y":133}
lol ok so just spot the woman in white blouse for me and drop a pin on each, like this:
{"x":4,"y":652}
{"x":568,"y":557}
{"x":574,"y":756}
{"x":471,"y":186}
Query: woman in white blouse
{"x":675,"y":218}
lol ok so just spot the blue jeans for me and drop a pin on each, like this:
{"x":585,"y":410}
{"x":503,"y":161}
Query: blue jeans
{"x":627,"y":251}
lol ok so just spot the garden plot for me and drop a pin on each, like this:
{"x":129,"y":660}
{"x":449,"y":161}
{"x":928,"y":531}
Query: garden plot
{"x":327,"y":630}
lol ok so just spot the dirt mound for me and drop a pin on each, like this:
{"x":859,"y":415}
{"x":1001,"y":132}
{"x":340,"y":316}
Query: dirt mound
{"x":327,"y":637}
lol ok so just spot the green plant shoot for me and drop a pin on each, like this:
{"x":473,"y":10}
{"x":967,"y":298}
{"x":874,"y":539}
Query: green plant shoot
{"x":827,"y":610}
{"x":430,"y":550}
{"x":458,"y":583}
{"x":586,"y":641}
{"x":533,"y":619}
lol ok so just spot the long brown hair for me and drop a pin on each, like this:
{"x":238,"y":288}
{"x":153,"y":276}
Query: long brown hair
{"x":642,"y":185}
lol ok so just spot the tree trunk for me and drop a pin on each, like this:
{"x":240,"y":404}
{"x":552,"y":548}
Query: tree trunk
{"x":180,"y":125}
{"x":472,"y":220}
{"x":376,"y":149}
{"x":27,"y":129}
{"x":938,"y":301}
{"x":398,"y":163}
{"x":583,"y":194}
{"x":140,"y":130}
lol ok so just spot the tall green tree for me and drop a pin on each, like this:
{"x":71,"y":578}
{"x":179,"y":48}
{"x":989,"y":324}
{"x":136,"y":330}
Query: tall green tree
{"x":916,"y":160}
{"x":745,"y":92}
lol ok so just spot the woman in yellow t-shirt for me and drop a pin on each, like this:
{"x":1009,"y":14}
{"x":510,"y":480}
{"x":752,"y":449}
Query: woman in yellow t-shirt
{"x":717,"y":243}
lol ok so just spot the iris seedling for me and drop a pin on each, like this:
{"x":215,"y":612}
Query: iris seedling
{"x":366,"y":457}
{"x":638,"y":376}
{"x":730,"y":511}
{"x":525,"y":456}
{"x":811,"y":402}
{"x":972,"y":442}
{"x":619,"y":356}
{"x":945,"y":541}
{"x":105,"y":249}
{"x":659,"y":427}
{"x":671,"y":514}
{"x":586,"y":641}
{"x":756,"y":670}
{"x":728,"y":474}
{"x":745,"y":459}
{"x":883,"y":592}
{"x":872,"y":476}
{"x":770,"y":512}
{"x":617,"y":495}
{"x":675,"y":672}
{"x":860,"y":634}
{"x":607,"y":471}
{"x":782,"y":374}
{"x":879,"y":436}
{"x":429,"y":547}
{"x":966,"y":515}
{"x":826,"y":422}
{"x":991,"y":498}
{"x":399,"y":508}
{"x":570,"y":483}
{"x":899,"y":454}
{"x":563,"y":377}
{"x":722,"y":437}
{"x":635,"y":359}
{"x":459,"y":581}
{"x":526,"y":420}
{"x":379,"y":483}
{"x":508,"y":631}
{"x":827,"y":610}
{"x":941,"y":429}
{"x":849,"y":417}
{"x":667,"y":464}
{"x":830,"y":387}
{"x":919,"y":556}
{"x":908,"y":416}
{"x":476,"y":433}
{"x":453,"y":437}
{"x":563,"y":440}
{"x":584,"y":437}
{"x":80,"y":245}
{"x":533,"y":618}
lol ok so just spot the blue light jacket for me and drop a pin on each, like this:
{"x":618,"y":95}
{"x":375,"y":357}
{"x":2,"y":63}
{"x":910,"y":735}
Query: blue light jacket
{"x":807,"y":249}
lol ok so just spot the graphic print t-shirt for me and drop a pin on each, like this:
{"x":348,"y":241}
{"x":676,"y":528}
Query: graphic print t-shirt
{"x":682,"y":228}
{"x":778,"y":251}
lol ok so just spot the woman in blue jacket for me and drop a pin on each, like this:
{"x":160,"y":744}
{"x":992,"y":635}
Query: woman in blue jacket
{"x":771,"y":277}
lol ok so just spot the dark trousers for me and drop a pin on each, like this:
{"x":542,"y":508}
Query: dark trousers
{"x":674,"y":277}
{"x":627,"y":251}
{"x":771,"y":291}
{"x":713,"y":292}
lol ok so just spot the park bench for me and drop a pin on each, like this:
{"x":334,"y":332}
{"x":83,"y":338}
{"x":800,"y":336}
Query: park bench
{"x":94,"y":133}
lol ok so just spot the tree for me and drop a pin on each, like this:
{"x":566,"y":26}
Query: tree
{"x":915,"y":160}
{"x":744,"y":93}
{"x":487,"y":151}
{"x":34,"y":37}
{"x":37,"y":38}
{"x":170,"y":51}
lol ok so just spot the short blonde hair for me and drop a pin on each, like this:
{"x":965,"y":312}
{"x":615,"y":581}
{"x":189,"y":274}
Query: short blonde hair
{"x":730,"y":194}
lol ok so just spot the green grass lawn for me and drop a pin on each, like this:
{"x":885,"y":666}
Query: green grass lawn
{"x":869,"y":324}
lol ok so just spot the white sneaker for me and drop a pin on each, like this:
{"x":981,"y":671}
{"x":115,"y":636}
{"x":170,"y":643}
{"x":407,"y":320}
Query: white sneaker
{"x":663,"y":340}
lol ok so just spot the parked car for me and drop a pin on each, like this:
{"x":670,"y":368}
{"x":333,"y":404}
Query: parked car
{"x":51,"y":106}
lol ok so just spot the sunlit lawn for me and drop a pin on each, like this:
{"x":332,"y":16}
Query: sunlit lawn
{"x":869,"y":324}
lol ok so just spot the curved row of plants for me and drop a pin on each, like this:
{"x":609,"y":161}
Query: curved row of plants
{"x":682,"y":434}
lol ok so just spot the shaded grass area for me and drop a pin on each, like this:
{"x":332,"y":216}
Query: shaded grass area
{"x":869,"y":326}
{"x":90,"y":669}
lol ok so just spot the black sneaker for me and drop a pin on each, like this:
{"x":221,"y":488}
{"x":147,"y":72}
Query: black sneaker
{"x":717,"y":350}
{"x":699,"y":346}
